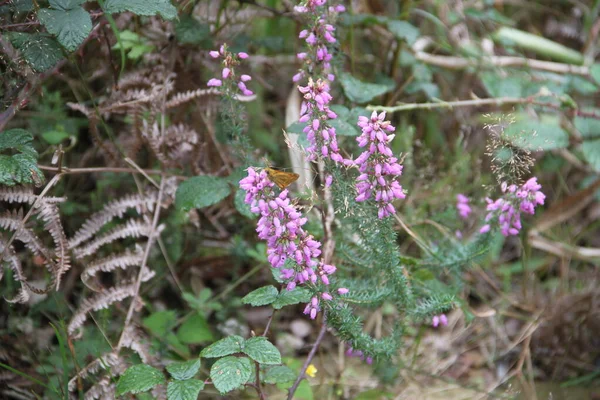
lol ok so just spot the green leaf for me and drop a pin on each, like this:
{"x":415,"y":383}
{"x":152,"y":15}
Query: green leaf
{"x":139,"y":378}
{"x":544,"y":134}
{"x":40,"y":51}
{"x":240,"y":204}
{"x":230,"y":372}
{"x":191,"y":31}
{"x":160,"y":322}
{"x":588,"y":127}
{"x":200,"y":192}
{"x":344,"y":128}
{"x":184,"y":390}
{"x":142,"y":7}
{"x":54,"y":136}
{"x":363,"y":92}
{"x":404,"y":31}
{"x":21,"y":167}
{"x":591,"y":153}
{"x":261,"y":350}
{"x":595,"y":72}
{"x":261,"y":296}
{"x":66,"y":5}
{"x":279,"y":374}
{"x":224,"y":347}
{"x":287,"y":297}
{"x":195,"y":330}
{"x":184,"y":370}
{"x":70,"y":27}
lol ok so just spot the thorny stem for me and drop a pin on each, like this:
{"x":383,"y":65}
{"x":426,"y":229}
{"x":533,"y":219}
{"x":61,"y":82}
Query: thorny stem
{"x":138,"y":281}
{"x":311,"y":355}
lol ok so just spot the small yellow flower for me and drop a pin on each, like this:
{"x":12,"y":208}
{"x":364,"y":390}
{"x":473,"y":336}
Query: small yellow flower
{"x":311,"y":371}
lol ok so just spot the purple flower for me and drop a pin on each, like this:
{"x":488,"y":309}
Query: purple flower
{"x":462,"y":205}
{"x":214,"y":82}
{"x":379,"y":169}
{"x":439,"y":319}
{"x":351,"y":352}
{"x":281,"y":227}
{"x":230,"y":61}
{"x":507,"y":209}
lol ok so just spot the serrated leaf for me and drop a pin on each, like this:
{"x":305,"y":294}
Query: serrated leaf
{"x":363,"y":92}
{"x":404,"y":31}
{"x":230,"y":372}
{"x":139,"y":378}
{"x":21,"y":167}
{"x":142,"y":7}
{"x":588,"y":127}
{"x":191,"y":31}
{"x":224,"y":347}
{"x":160,"y":322}
{"x":200,"y":192}
{"x":40,"y":51}
{"x":240,"y":204}
{"x":261,"y":296}
{"x":287,"y":298}
{"x":184,"y":370}
{"x":71,"y":27}
{"x":54,"y":136}
{"x":195,"y":330}
{"x":261,"y":350}
{"x":279,"y":374}
{"x":66,"y":4}
{"x":591,"y":153}
{"x":184,"y":390}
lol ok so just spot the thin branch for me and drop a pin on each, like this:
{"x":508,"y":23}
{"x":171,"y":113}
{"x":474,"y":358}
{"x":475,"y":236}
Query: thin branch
{"x":451,"y":62}
{"x":311,"y":355}
{"x":138,"y":281}
{"x":72,"y":171}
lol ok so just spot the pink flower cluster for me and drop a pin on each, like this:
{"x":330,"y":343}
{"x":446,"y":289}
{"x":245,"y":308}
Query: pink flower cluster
{"x":316,"y":61}
{"x":439,"y":319}
{"x":230,"y":61}
{"x":315,"y":112}
{"x":379,"y":169}
{"x":350,"y":352}
{"x":280,"y":225}
{"x":509,"y":207}
{"x":462,"y":205}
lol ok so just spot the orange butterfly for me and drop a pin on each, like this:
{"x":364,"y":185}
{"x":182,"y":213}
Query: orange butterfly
{"x":281,"y":178}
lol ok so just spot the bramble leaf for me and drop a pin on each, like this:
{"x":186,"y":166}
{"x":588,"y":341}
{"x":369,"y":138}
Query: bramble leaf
{"x":139,"y":378}
{"x":195,"y":330}
{"x":224,"y":347}
{"x":287,"y":298}
{"x":200,"y":192}
{"x":403,"y":31}
{"x":21,"y":167}
{"x":40,"y":51}
{"x":279,"y":374}
{"x":261,"y":296}
{"x":184,"y":390}
{"x":261,"y":350}
{"x":142,"y":7}
{"x":71,"y":27}
{"x":184,"y":370}
{"x":230,"y":372}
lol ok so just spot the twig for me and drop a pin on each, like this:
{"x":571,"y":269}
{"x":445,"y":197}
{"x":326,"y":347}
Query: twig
{"x":257,"y":385}
{"x":311,"y":355}
{"x":91,"y":170}
{"x":452,"y":62}
{"x":138,"y":281}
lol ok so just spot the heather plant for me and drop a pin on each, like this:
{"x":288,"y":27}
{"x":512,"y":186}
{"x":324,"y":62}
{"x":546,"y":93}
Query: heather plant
{"x":183,"y":253}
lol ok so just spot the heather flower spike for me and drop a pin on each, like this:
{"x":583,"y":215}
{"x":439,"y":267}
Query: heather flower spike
{"x":230,"y":61}
{"x":379,"y":169}
{"x":462,"y":205}
{"x":507,"y":209}
{"x":281,"y":226}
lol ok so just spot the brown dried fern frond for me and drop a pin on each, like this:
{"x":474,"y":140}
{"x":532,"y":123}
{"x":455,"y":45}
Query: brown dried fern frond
{"x":50,"y":215}
{"x":136,"y":341}
{"x":132,"y":228}
{"x":103,"y":300}
{"x":184,"y":97}
{"x":24,"y":194}
{"x":13,"y":262}
{"x":114,"y":209}
{"x":123,"y":261}
{"x":12,"y":221}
